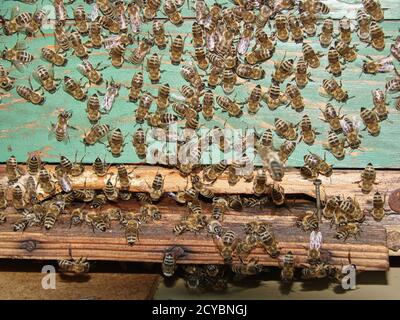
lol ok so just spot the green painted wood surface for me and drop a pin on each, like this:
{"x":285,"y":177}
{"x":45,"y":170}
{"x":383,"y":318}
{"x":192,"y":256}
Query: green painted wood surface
{"x":25,"y":128}
{"x":339,"y":8}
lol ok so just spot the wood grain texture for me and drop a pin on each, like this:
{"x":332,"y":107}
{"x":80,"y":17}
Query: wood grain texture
{"x":368,"y":252}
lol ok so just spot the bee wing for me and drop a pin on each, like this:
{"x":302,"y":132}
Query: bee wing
{"x":36,"y":76}
{"x":18,"y":65}
{"x":19,"y":45}
{"x":81,"y":69}
{"x":315,"y":240}
{"x":14,"y":12}
{"x":94,"y":13}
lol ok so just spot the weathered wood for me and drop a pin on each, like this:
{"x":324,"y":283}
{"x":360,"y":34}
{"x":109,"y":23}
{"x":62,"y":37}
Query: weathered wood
{"x":341,"y":182}
{"x":368,"y":252}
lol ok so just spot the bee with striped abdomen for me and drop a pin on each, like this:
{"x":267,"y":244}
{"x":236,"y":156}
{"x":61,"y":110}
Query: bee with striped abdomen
{"x":350,"y":229}
{"x":301,"y":75}
{"x":283,"y":70}
{"x":136,"y":87}
{"x":377,"y":37}
{"x":371,"y":121}
{"x":60,"y":129}
{"x":380,"y":104}
{"x":326,"y":35}
{"x":334,"y":66}
{"x":281,"y":27}
{"x":295,"y":98}
{"x":308,"y":133}
{"x":288,"y":267}
{"x":168,"y":265}
{"x":31,"y":95}
{"x":310,"y":56}
{"x":374,"y":9}
{"x":53,"y":57}
{"x":45,"y":181}
{"x":368,"y":179}
{"x":90,"y":72}
{"x":351,"y":132}
{"x":378,"y":211}
{"x":74,"y":88}
{"x":93,"y":109}
{"x":308,"y":222}
{"x":100,"y":167}
{"x":335,"y":145}
{"x":116,"y":142}
{"x":153,"y":68}
{"x":334,"y":90}
{"x":96,"y":133}
{"x":285,"y":129}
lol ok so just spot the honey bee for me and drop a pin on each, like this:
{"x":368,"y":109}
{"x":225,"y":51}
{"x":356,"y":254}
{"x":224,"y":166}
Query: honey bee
{"x":90,"y":72}
{"x":110,"y":190}
{"x":46,"y":78}
{"x":254,"y":99}
{"x":212,"y":172}
{"x":116,"y":142}
{"x":373,"y":8}
{"x":3,"y":198}
{"x":208,"y":105}
{"x":136,"y":87}
{"x":264,"y":41}
{"x":171,"y":11}
{"x":45,"y":181}
{"x":190,"y":74}
{"x":334,"y":66}
{"x":100,"y":167}
{"x":371,"y":121}
{"x":326,"y":35}
{"x":258,"y":55}
{"x":263,"y":16}
{"x":75,"y":169}
{"x":267,"y":239}
{"x":145,"y":101}
{"x":332,"y":117}
{"x":281,"y":27}
{"x":377,"y":37}
{"x":63,"y":179}
{"x":153,"y":68}
{"x":350,"y":130}
{"x":283,"y":70}
{"x":75,"y":89}
{"x":214,"y":76}
{"x":139,"y":143}
{"x":60,"y":129}
{"x":112,"y":91}
{"x":277,"y":194}
{"x":18,"y":21}
{"x":36,"y":23}
{"x":157,"y":187}
{"x":96,"y":221}
{"x":132,"y":232}
{"x":335,"y":146}
{"x":6,"y":82}
{"x":308,"y":21}
{"x":301,"y":75}
{"x":378,"y":66}
{"x":176,"y":51}
{"x":378,"y":211}
{"x":286,"y":150}
{"x":288,"y":266}
{"x":331,"y":206}
{"x":96,"y":133}
{"x":18,"y":201}
{"x":348,"y":53}
{"x":226,"y":245}
{"x":310,"y":56}
{"x":308,"y":133}
{"x":168,"y":265}
{"x":13,"y":171}
{"x":232,"y":107}
{"x":137,"y":56}
{"x":77,"y":46}
{"x":117,"y":55}
{"x":363,"y":21}
{"x":247,"y":71}
{"x":295,"y":28}
{"x":334,"y":90}
{"x":150,"y":9}
{"x":395,"y":48}
{"x":295,"y":98}
{"x":52,"y":213}
{"x":380,"y":104}
{"x":368,"y":179}
{"x":308,"y":222}
{"x":350,"y":229}
{"x":314,"y":6}
{"x":260,"y":183}
{"x":159,"y":35}
{"x":75,"y":266}
{"x":80,"y":20}
{"x":93,"y":109}
{"x":95,"y":36}
{"x":251,"y":268}
{"x":274,"y":97}
{"x":109,"y":24}
{"x":345,"y":30}
{"x":285,"y":129}
{"x":53,"y":57}
{"x":228,"y":81}
{"x":31,"y":95}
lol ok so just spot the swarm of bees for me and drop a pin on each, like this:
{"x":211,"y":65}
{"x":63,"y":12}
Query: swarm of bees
{"x":229,"y":45}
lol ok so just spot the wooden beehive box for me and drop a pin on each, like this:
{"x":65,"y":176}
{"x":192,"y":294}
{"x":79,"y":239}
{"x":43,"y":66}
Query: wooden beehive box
{"x":24,"y":128}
